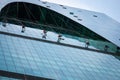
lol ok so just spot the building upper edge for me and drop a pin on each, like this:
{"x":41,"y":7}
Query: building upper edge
{"x":96,"y":22}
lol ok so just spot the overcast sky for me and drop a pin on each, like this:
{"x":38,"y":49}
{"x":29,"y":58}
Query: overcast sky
{"x":109,"y":7}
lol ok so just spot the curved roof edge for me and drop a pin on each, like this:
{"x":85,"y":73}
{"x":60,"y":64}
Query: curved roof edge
{"x":96,"y":22}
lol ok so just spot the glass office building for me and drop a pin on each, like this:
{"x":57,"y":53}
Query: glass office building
{"x":27,"y":56}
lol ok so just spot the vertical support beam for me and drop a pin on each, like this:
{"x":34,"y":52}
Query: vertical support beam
{"x":17,"y":6}
{"x":43,"y":15}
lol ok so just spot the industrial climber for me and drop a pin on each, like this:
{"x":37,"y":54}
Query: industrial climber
{"x":87,"y":43}
{"x":4,"y":23}
{"x":59,"y":38}
{"x":23,"y":29}
{"x":44,"y":35}
{"x":118,"y":49}
{"x":106,"y":48}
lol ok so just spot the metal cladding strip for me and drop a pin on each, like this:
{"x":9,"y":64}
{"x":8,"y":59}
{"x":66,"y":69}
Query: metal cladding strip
{"x":21,"y":76}
{"x":99,"y":23}
{"x":62,"y":44}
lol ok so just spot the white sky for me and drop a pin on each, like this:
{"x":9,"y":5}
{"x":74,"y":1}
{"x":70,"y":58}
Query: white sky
{"x":109,"y":7}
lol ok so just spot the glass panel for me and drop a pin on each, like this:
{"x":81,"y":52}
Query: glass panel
{"x":54,"y":61}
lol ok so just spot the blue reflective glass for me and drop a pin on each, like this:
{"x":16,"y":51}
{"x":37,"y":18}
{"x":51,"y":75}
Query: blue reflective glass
{"x":54,"y":61}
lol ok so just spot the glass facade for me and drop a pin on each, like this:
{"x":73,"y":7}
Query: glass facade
{"x":47,"y":60}
{"x":6,"y":78}
{"x":43,"y":17}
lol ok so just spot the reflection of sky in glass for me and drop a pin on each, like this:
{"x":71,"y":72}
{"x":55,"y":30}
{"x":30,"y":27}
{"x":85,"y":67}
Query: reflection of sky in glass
{"x":38,"y":34}
{"x":53,"y":61}
{"x":6,"y":78}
